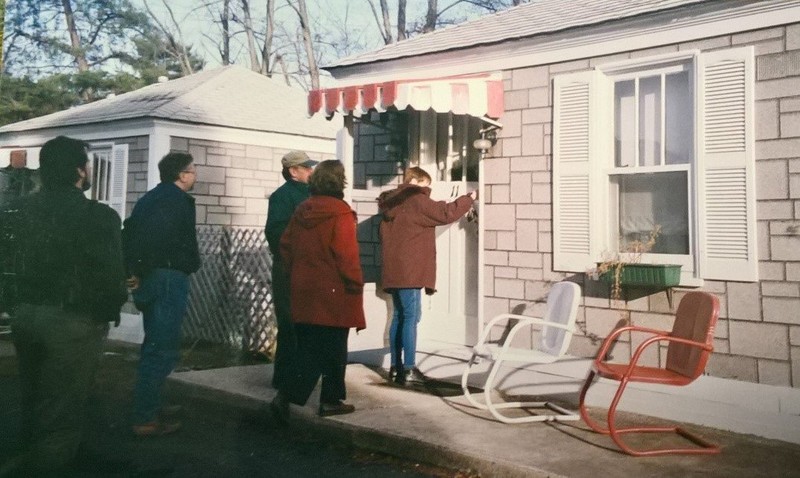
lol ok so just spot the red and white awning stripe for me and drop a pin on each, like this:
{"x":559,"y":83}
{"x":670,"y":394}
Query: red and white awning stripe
{"x":476,"y":96}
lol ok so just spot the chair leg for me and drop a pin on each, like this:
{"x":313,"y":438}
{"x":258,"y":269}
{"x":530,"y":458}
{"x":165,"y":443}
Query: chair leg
{"x":703,"y":447}
{"x":465,"y":385}
{"x":561,"y":414}
{"x":596,"y":427}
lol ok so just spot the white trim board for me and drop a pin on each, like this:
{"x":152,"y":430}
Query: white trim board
{"x":584,"y":43}
{"x":86,"y":132}
{"x":741,"y":407}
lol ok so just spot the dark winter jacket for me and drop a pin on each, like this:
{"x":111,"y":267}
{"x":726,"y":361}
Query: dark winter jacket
{"x":408,"y":235}
{"x":161,"y":232}
{"x":320,"y":250}
{"x":63,"y":250}
{"x":282,"y":204}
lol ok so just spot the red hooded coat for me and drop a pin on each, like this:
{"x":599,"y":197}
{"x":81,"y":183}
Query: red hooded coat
{"x":320,"y":250}
{"x":408,"y":235}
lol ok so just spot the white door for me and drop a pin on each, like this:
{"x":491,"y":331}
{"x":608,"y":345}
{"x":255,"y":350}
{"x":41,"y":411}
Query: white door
{"x":451,"y":314}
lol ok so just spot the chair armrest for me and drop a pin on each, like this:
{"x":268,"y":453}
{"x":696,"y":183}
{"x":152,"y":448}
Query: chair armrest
{"x":616,"y":332}
{"x":489,"y":325}
{"x":529,"y":322}
{"x":668,"y":338}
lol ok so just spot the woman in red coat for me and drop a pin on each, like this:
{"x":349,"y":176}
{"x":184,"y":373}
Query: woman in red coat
{"x":320,"y":250}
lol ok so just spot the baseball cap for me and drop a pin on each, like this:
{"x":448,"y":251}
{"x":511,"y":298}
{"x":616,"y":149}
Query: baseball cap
{"x":297,"y":158}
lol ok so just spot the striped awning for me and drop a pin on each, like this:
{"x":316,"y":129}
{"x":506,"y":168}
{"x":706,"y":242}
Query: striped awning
{"x":476,"y":95}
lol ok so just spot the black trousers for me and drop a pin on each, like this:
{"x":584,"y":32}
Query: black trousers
{"x":286,"y":350}
{"x":322,"y":351}
{"x":58,"y":354}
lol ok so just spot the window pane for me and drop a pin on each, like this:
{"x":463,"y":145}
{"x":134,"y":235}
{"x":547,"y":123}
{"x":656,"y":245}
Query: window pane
{"x":650,"y":121}
{"x":679,"y":118}
{"x":650,"y":200}
{"x":624,"y":130}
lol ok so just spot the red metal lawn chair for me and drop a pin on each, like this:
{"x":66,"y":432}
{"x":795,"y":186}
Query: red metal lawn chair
{"x":689,"y":346}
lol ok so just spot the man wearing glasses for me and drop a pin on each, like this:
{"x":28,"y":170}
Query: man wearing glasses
{"x":160,"y":243}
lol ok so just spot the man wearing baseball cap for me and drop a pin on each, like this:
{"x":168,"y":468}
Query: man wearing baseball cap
{"x":297,"y":168}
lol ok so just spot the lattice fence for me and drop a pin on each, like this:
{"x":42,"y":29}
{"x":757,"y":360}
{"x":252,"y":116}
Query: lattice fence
{"x":230,"y":300}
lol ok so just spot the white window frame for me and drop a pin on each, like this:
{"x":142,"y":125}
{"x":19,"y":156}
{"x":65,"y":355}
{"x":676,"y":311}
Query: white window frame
{"x":660,"y":66}
{"x":723,"y":233}
{"x":114,"y":188}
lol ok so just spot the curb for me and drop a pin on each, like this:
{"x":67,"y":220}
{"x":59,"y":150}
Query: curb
{"x":335,"y":431}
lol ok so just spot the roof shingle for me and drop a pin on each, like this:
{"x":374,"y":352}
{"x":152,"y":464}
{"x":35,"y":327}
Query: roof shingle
{"x":530,"y":19}
{"x":231,"y":96}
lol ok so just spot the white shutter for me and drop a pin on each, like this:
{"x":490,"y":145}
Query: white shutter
{"x":726,"y":166}
{"x":581,"y":147}
{"x":119,"y":178}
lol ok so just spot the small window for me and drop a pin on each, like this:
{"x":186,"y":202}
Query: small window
{"x":101,"y":174}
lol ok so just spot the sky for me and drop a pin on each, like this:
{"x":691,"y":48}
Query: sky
{"x":194,"y":20}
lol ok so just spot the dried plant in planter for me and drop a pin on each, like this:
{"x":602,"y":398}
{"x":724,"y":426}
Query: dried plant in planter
{"x":613,"y":264}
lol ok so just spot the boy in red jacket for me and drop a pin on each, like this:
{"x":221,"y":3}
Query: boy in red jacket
{"x":408,"y":247}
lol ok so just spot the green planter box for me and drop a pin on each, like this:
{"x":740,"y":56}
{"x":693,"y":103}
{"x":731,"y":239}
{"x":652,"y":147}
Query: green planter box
{"x":646,"y":275}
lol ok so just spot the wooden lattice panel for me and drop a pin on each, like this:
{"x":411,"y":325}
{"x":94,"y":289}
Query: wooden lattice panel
{"x":230,"y":300}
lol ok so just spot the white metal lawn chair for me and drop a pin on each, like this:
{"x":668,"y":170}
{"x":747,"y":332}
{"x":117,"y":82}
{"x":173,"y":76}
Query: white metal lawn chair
{"x":557,"y":327}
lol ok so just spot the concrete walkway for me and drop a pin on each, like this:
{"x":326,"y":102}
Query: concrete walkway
{"x":432,"y":424}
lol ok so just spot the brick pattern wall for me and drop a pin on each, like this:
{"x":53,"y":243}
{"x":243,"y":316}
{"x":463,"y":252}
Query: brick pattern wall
{"x":234,"y":180}
{"x":758,"y":335}
{"x":366,"y":206}
{"x":374,"y":166}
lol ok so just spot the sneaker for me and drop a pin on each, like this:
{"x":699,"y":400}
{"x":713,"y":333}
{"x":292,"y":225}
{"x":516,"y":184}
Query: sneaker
{"x":155,"y":428}
{"x":337,"y":408}
{"x":392,"y":374}
{"x":413,"y":376}
{"x":279,"y":407}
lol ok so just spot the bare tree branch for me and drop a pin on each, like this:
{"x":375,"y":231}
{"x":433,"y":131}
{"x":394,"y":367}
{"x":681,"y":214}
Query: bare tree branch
{"x":401,"y":20}
{"x":266,"y":51}
{"x":384,"y":28}
{"x":255,"y":65}
{"x":430,"y":17}
{"x":282,"y":63}
{"x":305,"y":27}
{"x":75,"y":41}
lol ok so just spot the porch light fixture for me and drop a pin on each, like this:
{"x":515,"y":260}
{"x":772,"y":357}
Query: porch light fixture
{"x":483,"y":145}
{"x":488,"y":136}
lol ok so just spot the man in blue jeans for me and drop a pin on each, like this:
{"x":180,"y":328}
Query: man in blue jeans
{"x":408,"y":249}
{"x":160,"y":242}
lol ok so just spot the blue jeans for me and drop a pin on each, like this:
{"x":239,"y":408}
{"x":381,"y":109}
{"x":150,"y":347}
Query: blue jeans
{"x":162,"y":298}
{"x":403,"y":331}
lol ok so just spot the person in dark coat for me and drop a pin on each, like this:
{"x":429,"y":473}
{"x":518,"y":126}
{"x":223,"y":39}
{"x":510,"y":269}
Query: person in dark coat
{"x":297,"y":168}
{"x":408,"y":249}
{"x":68,"y":283}
{"x":321,"y":253}
{"x":17,"y":179}
{"x":161,"y":251}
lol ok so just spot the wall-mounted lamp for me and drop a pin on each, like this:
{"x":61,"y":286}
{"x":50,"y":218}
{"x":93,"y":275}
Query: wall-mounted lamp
{"x":483,"y":145}
{"x":488,"y":136}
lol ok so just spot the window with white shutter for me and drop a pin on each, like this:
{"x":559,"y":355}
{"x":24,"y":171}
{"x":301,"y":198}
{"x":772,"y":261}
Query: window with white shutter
{"x":109,"y":175}
{"x":667,"y":145}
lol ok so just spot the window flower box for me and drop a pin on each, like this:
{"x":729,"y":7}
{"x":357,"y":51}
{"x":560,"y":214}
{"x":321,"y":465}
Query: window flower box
{"x":645,"y":275}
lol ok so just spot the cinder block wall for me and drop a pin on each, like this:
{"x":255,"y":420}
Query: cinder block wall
{"x":758,"y":336}
{"x":375,"y":169}
{"x":234,"y":180}
{"x":138,"y":148}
